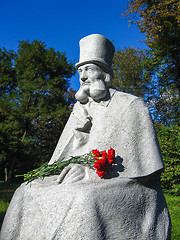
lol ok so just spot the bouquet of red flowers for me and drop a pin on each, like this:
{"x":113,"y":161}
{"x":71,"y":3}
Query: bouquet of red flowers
{"x":104,"y":160}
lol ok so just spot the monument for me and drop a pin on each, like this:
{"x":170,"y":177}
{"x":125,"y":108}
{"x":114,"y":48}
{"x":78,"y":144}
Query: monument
{"x":126,"y":203}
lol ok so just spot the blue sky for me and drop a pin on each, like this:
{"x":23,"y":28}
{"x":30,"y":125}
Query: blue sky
{"x":62,"y":23}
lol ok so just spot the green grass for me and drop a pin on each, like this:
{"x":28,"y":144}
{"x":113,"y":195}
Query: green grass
{"x":3,"y":207}
{"x":173,"y":202}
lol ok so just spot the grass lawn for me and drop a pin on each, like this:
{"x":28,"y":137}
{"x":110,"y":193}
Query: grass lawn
{"x":173,"y":202}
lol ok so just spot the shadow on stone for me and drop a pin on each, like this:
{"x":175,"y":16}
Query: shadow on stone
{"x":115,"y":169}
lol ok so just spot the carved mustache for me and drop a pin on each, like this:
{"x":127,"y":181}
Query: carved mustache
{"x":97,"y":90}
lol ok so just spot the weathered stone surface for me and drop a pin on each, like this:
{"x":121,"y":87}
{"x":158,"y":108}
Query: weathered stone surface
{"x":93,"y":208}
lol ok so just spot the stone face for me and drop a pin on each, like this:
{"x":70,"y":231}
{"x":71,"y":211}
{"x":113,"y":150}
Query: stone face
{"x":128,"y":203}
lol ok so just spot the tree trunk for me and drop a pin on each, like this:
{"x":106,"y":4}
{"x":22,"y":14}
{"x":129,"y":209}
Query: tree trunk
{"x":11,"y":171}
{"x":5,"y":174}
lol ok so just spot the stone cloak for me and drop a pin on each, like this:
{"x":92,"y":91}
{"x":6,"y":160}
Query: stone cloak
{"x":122,"y":122}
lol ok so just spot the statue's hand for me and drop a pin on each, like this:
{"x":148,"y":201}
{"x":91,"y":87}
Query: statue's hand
{"x":72,"y":173}
{"x":84,"y":120}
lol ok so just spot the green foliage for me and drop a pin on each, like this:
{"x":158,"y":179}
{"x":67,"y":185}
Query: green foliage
{"x":8,"y":81}
{"x":167,"y":105}
{"x":130,"y":73}
{"x":169,"y":139}
{"x":34,"y":104}
{"x":173,"y":203}
{"x":160,"y":21}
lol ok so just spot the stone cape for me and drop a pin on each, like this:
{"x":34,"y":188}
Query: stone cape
{"x":122,"y":122}
{"x":128,"y":204}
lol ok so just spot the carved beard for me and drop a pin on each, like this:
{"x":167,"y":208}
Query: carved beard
{"x":96,"y":90}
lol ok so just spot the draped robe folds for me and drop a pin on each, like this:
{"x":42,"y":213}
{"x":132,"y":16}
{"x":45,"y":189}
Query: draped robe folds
{"x":127,"y":204}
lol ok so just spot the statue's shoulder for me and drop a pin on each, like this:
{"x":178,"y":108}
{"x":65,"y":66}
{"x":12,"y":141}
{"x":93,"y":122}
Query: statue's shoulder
{"x":125,"y":98}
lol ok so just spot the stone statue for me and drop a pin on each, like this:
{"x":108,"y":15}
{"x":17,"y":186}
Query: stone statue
{"x":128,"y":203}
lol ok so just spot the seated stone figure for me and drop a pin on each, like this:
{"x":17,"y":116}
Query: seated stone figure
{"x":128,"y":203}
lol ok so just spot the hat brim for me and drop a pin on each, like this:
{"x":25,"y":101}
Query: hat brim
{"x":98,"y":62}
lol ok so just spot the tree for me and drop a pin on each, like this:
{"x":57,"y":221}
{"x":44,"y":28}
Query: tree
{"x":160,"y":21}
{"x":169,"y":139}
{"x":8,"y":81}
{"x":166,"y":104}
{"x":35,"y":111}
{"x":130,"y":73}
{"x":8,"y":84}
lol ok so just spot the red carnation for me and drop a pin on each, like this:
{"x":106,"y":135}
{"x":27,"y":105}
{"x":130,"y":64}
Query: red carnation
{"x":96,"y":153}
{"x":104,"y":160}
{"x":111,"y":155}
{"x":104,"y":154}
{"x":111,"y":152}
{"x":100,"y":163}
{"x":100,"y":173}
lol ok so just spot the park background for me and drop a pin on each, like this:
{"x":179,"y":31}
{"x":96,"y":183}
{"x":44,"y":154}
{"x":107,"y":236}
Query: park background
{"x":38,"y":36}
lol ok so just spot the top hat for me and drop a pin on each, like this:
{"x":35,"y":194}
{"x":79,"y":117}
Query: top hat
{"x":97,"y":49}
